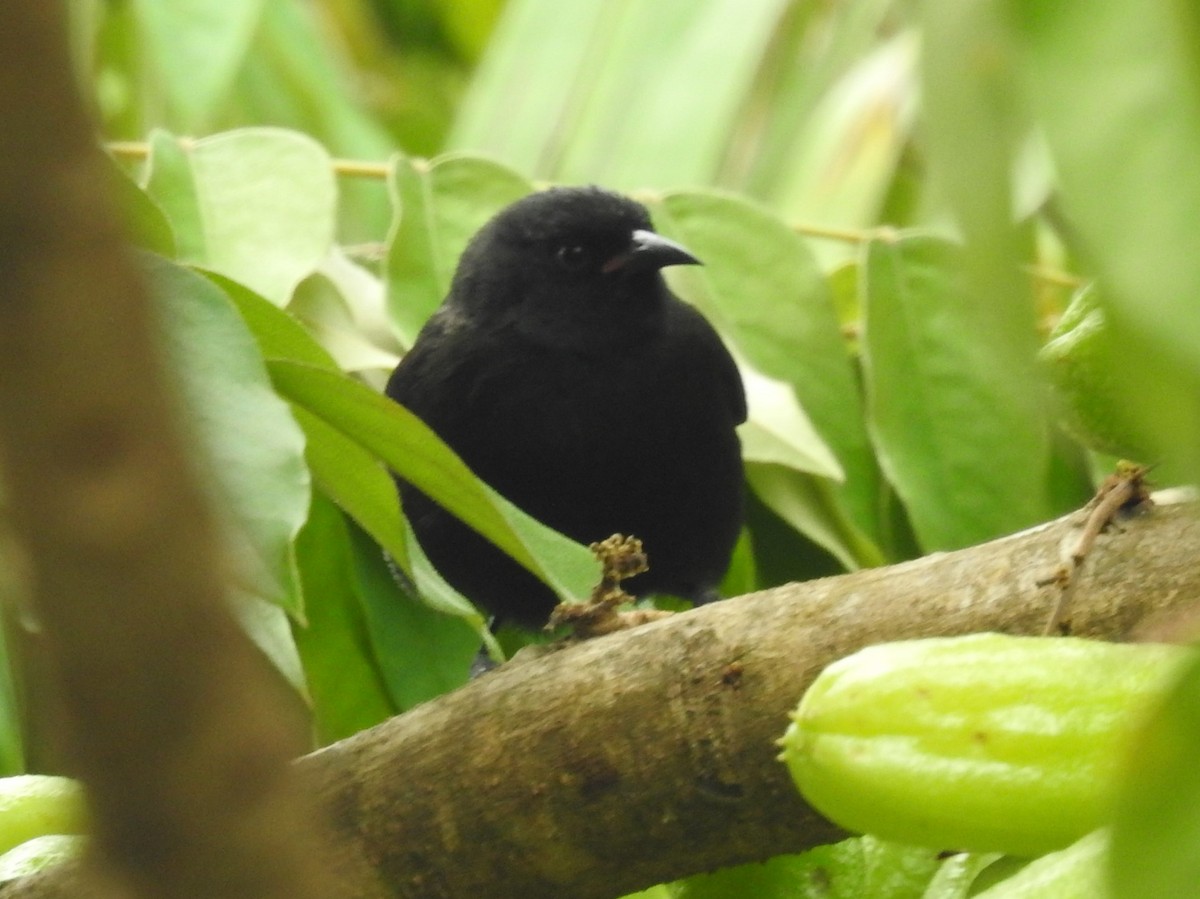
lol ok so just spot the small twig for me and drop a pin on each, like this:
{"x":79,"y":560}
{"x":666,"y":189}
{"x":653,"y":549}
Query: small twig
{"x":1123,"y":491}
{"x":621,"y":558}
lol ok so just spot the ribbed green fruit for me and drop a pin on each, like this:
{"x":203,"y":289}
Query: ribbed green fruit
{"x":986,"y":742}
{"x":32,"y":805}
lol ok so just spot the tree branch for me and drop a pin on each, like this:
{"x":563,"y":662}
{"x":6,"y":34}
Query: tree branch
{"x":648,"y":755}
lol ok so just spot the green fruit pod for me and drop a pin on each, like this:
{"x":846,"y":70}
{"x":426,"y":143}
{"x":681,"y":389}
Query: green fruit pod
{"x":32,"y":805}
{"x":985,"y":743}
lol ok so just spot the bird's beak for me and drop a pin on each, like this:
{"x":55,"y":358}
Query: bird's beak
{"x":648,"y":251}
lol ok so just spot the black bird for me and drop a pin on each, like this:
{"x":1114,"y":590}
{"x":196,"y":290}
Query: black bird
{"x":570,"y":379}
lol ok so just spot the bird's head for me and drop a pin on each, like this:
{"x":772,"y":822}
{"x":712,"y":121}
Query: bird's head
{"x":568,"y":261}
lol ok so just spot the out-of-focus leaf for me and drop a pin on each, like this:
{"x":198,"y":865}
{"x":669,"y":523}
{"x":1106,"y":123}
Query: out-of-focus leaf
{"x":814,"y":46}
{"x":253,"y":450}
{"x":412,"y":450}
{"x":192,"y":50}
{"x":664,"y":82}
{"x":1116,"y":88}
{"x":960,"y":444}
{"x":1156,"y":830}
{"x":295,"y":77}
{"x":347,"y":689}
{"x":439,"y":206}
{"x":842,"y":171}
{"x":255,"y":204}
{"x":350,"y":475}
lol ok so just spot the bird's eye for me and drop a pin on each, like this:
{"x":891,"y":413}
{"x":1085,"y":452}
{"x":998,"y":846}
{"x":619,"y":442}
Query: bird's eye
{"x":572,"y":257}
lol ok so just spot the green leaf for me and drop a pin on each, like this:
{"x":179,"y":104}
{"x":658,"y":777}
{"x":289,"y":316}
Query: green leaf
{"x":192,"y":50}
{"x":146,"y":225}
{"x":255,"y":204}
{"x":1156,"y":831}
{"x":810,"y":505}
{"x":279,"y":334}
{"x":439,"y":206}
{"x":253,"y":450}
{"x":354,"y":479}
{"x":954,"y":435}
{"x":422,"y":652}
{"x":342,"y":304}
{"x":852,"y":869}
{"x":347,"y":688}
{"x":1115,"y":86}
{"x":411,"y":449}
{"x":761,"y":287}
{"x":664,"y":82}
{"x":841,"y":171}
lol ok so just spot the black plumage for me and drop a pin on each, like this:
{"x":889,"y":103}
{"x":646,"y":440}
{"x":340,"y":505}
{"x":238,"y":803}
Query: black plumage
{"x":569,"y":378}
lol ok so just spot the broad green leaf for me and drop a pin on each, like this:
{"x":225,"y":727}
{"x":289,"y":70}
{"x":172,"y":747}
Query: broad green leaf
{"x":975,"y":129}
{"x":1156,"y":831}
{"x":253,"y":450}
{"x":422,"y":652}
{"x":278,"y":333}
{"x":411,"y":449}
{"x":666,"y":87}
{"x":354,"y":478}
{"x":192,"y":50}
{"x":328,"y":305}
{"x":1115,"y":85}
{"x":348,"y":692}
{"x":526,"y":84}
{"x":296,"y":77}
{"x":953,"y":434}
{"x":762,"y":289}
{"x":255,"y":204}
{"x":439,"y":206}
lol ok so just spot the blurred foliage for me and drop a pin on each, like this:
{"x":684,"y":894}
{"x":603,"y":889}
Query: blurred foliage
{"x":895,"y":201}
